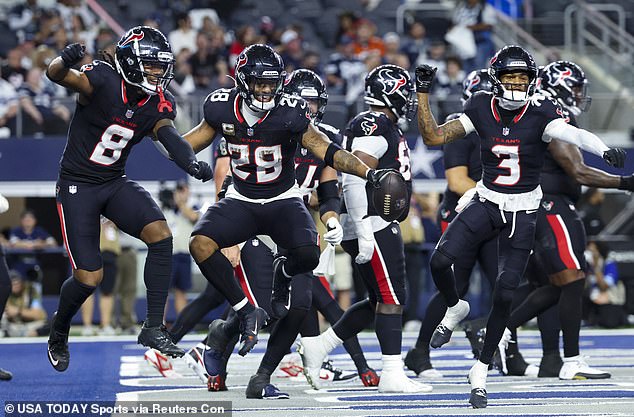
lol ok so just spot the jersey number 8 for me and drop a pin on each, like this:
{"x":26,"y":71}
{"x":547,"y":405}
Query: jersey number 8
{"x":112,"y":141}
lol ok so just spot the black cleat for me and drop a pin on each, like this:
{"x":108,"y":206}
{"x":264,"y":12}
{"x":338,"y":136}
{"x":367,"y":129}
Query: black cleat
{"x":158,"y":338}
{"x":441,"y":335}
{"x":478,"y":398}
{"x":5,"y":375}
{"x":417,"y":360}
{"x":250,"y":325}
{"x":217,"y":338}
{"x":281,"y":294}
{"x":515,"y":364}
{"x":260,"y":387}
{"x":475,"y":330}
{"x":58,"y":354}
{"x":550,"y":365}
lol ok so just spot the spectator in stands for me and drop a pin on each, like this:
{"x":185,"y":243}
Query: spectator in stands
{"x":9,"y":105}
{"x":69,"y":9}
{"x":83,"y":34}
{"x":184,"y":36}
{"x":413,"y":238}
{"x":245,"y":36}
{"x":312,"y":61}
{"x":348,"y":22}
{"x":42,"y":56}
{"x":366,"y":40}
{"x":480,"y":17}
{"x":126,"y":284}
{"x":24,"y":311}
{"x":269,"y":34}
{"x":590,"y":211}
{"x":14,"y":71}
{"x":24,"y":19}
{"x":208,"y":69}
{"x":606,"y":292}
{"x":105,"y":40}
{"x":50,"y":24}
{"x":437,"y":54}
{"x":43,"y":114}
{"x":393,"y":54}
{"x":183,"y":83}
{"x":291,"y":50}
{"x":345,"y":75}
{"x":28,"y":235}
{"x":448,"y":87}
{"x":415,"y":44}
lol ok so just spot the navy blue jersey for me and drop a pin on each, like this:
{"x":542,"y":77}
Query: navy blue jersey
{"x":512,"y":149}
{"x":103,"y":132}
{"x":307,"y":166}
{"x":262,"y":155}
{"x":396,"y":156}
{"x":463,"y":152}
{"x":555,"y":180}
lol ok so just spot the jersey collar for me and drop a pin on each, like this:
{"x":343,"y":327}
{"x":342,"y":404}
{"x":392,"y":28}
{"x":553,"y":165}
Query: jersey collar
{"x":496,"y":114}
{"x":124,"y":96}
{"x":238,"y":114}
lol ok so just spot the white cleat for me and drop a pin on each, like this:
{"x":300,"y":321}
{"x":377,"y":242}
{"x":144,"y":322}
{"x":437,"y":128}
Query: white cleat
{"x":532,"y":370}
{"x":313,"y":353}
{"x":396,"y":381}
{"x":453,"y":316}
{"x":161,"y":363}
{"x":576,"y":367}
{"x":431,"y":373}
{"x":194,"y":359}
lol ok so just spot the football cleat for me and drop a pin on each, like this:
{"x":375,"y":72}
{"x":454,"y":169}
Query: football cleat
{"x":478,"y":398}
{"x":313,"y":353}
{"x":216,"y":383}
{"x":369,"y":377}
{"x":5,"y":375}
{"x":290,"y":366}
{"x":475,"y":330}
{"x":328,"y":372}
{"x":158,"y":338}
{"x":576,"y":368}
{"x":396,"y":381}
{"x":250,"y":325}
{"x":517,"y":366}
{"x":161,"y":363}
{"x":453,"y":316}
{"x":478,"y":380}
{"x":281,"y":293}
{"x":194,"y":360}
{"x":550,"y":365}
{"x":417,"y":360}
{"x":58,"y":354}
{"x":260,"y":387}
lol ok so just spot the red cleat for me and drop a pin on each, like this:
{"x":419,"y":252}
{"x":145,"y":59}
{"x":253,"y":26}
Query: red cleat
{"x":216,"y":383}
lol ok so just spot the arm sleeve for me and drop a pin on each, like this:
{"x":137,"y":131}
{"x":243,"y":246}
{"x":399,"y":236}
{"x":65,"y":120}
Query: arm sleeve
{"x":559,"y":129}
{"x":375,"y":146}
{"x":356,"y":203}
{"x":179,"y":150}
{"x":466,"y":123}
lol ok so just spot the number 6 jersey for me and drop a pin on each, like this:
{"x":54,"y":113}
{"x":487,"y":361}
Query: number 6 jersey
{"x":103,"y":132}
{"x":262,"y":155}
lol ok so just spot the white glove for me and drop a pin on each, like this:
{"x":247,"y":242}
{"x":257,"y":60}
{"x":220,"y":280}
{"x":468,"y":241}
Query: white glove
{"x":465,"y":199}
{"x":365,"y":238}
{"x":334,"y":235}
{"x":4,"y":206}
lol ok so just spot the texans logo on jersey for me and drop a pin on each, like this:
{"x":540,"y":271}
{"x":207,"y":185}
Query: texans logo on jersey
{"x":390,"y":84}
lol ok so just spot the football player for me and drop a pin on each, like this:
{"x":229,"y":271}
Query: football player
{"x":514,"y":127}
{"x":262,"y":128}
{"x":375,"y":244}
{"x":5,"y":283}
{"x":560,"y":238}
{"x":121,"y":100}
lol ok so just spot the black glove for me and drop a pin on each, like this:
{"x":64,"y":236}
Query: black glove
{"x":200,"y":170}
{"x":615,"y":157}
{"x":627,"y":183}
{"x":424,"y":76}
{"x":374,"y":176}
{"x":72,"y":54}
{"x":225,"y":184}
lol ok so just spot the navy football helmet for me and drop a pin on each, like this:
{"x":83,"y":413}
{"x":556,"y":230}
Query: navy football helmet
{"x":476,"y":81}
{"x":260,"y":64}
{"x":309,"y":86}
{"x":391,"y":86}
{"x":566,"y":82}
{"x":144,"y":58}
{"x":511,"y":59}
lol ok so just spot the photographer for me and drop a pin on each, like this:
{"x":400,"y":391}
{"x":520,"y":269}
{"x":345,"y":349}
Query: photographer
{"x":181,"y":218}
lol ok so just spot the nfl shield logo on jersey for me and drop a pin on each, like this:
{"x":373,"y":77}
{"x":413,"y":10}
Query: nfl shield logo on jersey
{"x":505,"y":131}
{"x":250,"y":131}
{"x":304,"y":151}
{"x":548,"y":205}
{"x":129,"y":114}
{"x":72,"y":189}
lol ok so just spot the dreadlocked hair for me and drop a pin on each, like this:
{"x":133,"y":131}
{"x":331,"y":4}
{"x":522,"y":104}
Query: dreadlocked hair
{"x":106,"y":56}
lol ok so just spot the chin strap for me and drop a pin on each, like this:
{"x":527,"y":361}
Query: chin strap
{"x":163,"y":104}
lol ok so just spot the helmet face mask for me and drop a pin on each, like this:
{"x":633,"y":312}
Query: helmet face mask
{"x":566,"y":82}
{"x":144,"y":58}
{"x":260,"y":77}
{"x":309,"y":86}
{"x":519,"y":71}
{"x":391,"y":86}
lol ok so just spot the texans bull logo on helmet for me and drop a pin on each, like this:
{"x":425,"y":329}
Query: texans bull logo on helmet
{"x":134,"y":36}
{"x":558,"y":76}
{"x":389,"y":82}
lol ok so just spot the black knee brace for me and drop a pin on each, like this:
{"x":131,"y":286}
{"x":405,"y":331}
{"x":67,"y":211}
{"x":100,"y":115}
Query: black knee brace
{"x":302,"y":259}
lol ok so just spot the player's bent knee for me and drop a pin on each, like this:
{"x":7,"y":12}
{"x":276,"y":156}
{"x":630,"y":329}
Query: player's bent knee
{"x":439,"y":261}
{"x":90,"y":278}
{"x":155,"y":232}
{"x":384,"y":308}
{"x":202,"y":247}
{"x":302,"y":259}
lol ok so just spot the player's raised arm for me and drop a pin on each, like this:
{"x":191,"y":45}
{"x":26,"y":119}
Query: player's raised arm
{"x":180,"y":151}
{"x":432,"y":133}
{"x":338,"y":158}
{"x":59,"y":70}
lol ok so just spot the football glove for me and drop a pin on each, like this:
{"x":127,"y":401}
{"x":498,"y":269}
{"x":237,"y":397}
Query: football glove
{"x":627,"y":183}
{"x":200,"y":170}
{"x":615,"y":157}
{"x":424,"y":76}
{"x":374,"y":176}
{"x":365,"y":239}
{"x":334,"y":235}
{"x":72,"y":54}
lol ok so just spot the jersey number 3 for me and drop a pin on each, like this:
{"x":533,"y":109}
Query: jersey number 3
{"x":512,"y":163}
{"x":112,"y":141}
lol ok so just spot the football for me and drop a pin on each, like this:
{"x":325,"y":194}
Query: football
{"x":391,"y":199}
